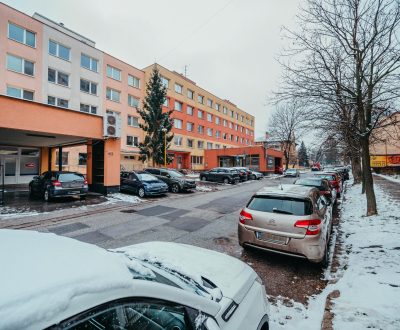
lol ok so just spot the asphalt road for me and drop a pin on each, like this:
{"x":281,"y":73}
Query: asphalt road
{"x":204,"y":219}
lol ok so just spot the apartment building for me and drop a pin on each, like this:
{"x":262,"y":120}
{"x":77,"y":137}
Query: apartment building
{"x":202,"y":121}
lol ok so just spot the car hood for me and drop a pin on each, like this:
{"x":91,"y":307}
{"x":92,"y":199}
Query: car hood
{"x":232,"y":276}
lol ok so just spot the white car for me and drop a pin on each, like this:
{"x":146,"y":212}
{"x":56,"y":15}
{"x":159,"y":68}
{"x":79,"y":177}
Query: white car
{"x":55,"y":282}
{"x":254,"y":174}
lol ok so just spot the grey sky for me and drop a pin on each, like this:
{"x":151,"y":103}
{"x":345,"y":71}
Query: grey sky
{"x":232,"y":56}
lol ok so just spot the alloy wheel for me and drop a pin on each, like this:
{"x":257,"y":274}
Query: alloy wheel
{"x":203,"y":178}
{"x":46,"y":195}
{"x":175,"y":188}
{"x":141,"y":192}
{"x":226,"y":180}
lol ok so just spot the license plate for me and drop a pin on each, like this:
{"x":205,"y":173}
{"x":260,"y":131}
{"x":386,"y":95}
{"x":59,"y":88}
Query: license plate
{"x":74,"y":192}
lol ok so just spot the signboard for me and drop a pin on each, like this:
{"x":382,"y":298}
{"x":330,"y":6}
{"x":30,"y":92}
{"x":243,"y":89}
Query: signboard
{"x":237,"y":158}
{"x":382,"y":161}
{"x":270,"y":162}
{"x":244,"y":153}
{"x":110,"y":153}
{"x":30,"y":165}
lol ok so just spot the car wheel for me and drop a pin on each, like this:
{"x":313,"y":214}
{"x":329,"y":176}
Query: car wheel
{"x":226,"y":180}
{"x":141,"y":192}
{"x":83,"y":197}
{"x":174,"y":188}
{"x":253,"y":177}
{"x":31,"y":192}
{"x":47,"y":197}
{"x":203,"y":178}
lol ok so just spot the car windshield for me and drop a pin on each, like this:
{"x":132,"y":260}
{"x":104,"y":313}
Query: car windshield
{"x":175,"y":174}
{"x":146,"y":177}
{"x":326,"y":176}
{"x":287,"y":205}
{"x":70,"y":177}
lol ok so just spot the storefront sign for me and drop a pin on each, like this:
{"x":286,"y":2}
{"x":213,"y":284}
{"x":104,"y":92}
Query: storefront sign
{"x":110,"y":153}
{"x":30,"y":165}
{"x":270,"y":162}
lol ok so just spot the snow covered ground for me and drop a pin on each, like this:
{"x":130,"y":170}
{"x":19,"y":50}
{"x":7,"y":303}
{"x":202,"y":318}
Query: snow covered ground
{"x":369,"y":275}
{"x":394,"y":178}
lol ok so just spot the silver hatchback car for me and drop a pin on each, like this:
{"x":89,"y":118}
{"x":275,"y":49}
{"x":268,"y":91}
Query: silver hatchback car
{"x":291,"y":220}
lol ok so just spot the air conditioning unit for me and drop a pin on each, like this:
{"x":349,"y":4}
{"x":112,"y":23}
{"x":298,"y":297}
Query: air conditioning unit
{"x":112,"y":126}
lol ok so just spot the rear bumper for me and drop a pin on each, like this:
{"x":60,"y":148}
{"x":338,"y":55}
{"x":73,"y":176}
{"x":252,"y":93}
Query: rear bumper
{"x":161,"y":191}
{"x":311,"y":248}
{"x":63,"y":192}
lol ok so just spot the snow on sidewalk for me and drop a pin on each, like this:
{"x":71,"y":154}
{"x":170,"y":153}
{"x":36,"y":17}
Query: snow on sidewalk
{"x":369,"y":275}
{"x":394,"y":177}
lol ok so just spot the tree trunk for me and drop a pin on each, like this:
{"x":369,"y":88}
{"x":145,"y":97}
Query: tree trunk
{"x":368,"y":179}
{"x":363,"y":176}
{"x":356,"y":170}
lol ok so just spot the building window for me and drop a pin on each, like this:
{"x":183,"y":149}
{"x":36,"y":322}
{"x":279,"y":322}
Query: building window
{"x":200,"y":144}
{"x":209,"y":145}
{"x":115,"y":113}
{"x":57,"y":101}
{"x":21,"y":65}
{"x":237,"y":116}
{"x":241,"y":129}
{"x":88,"y":87}
{"x":230,"y":125}
{"x":230,"y":137}
{"x":20,"y":93}
{"x":242,"y":118}
{"x":251,"y":133}
{"x":237,"y":127}
{"x":218,"y":134}
{"x":216,"y":146}
{"x":209,"y":103}
{"x":200,"y":129}
{"x":190,"y":94}
{"x":209,"y":117}
{"x":129,"y":157}
{"x":132,"y":141}
{"x":190,"y":127}
{"x":209,"y":132}
{"x":113,"y":73}
{"x":190,"y":143}
{"x":190,"y":110}
{"x":247,"y":131}
{"x":218,"y":120}
{"x":225,"y":110}
{"x":251,"y":143}
{"x":251,"y":123}
{"x":237,"y":139}
{"x":231,"y":113}
{"x":113,"y":95}
{"x":178,"y":123}
{"x":200,"y":99}
{"x":178,"y":141}
{"x":21,"y":35}
{"x":247,"y":141}
{"x":178,"y":88}
{"x":197,"y":160}
{"x":166,"y":102}
{"x":59,"y":50}
{"x":247,"y":120}
{"x":224,"y":136}
{"x":217,"y":106}
{"x":89,"y":63}
{"x":64,"y":160}
{"x":133,"y":101}
{"x":200,"y":114}
{"x":133,"y":81}
{"x":224,"y":123}
{"x":178,"y":106}
{"x":82,"y":159}
{"x":133,"y":121}
{"x":241,"y":140}
{"x":165,"y":82}
{"x":224,"y":147}
{"x":58,"y":77}
{"x":88,"y":108}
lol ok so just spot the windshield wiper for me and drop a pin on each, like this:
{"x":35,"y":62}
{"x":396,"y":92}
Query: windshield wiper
{"x":280,"y":211}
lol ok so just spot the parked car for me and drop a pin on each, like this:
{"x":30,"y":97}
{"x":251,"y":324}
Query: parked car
{"x":142,"y":183}
{"x":56,"y":184}
{"x":324,"y":186}
{"x":317,"y":165}
{"x":175,"y":180}
{"x":254,"y":175}
{"x":333,"y":179}
{"x":278,"y":170}
{"x":292,"y":172}
{"x":243,"y":176}
{"x":81,"y":286}
{"x":290,"y":220}
{"x":344,"y":171}
{"x":220,"y":174}
{"x":315,"y":168}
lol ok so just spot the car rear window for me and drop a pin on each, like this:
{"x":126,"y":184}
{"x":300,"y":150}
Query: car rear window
{"x":312,"y":183}
{"x":70,"y":177}
{"x":288,"y":205}
{"x":326,"y":176}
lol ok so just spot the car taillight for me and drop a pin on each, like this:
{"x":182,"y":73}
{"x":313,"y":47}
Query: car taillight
{"x":244,"y":216}
{"x":324,"y":192}
{"x":313,"y":226}
{"x":56,"y":183}
{"x":85,"y":183}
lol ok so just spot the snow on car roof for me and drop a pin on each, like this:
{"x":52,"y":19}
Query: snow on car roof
{"x":42,"y":272}
{"x":286,"y":189}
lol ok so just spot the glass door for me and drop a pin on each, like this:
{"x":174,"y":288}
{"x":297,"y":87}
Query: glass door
{"x":9,"y":169}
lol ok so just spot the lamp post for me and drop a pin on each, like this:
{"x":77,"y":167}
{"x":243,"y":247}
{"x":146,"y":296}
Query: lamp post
{"x":165,"y":146}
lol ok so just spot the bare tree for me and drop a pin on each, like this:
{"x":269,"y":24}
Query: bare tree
{"x":346,"y":55}
{"x":288,"y":120}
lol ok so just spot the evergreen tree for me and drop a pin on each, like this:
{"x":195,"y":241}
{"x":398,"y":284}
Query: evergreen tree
{"x":303,"y":156}
{"x":154,"y":120}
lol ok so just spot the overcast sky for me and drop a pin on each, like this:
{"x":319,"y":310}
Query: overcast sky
{"x":231,"y":56}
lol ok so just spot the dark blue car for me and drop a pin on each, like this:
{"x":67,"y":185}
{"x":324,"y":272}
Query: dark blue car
{"x":142,"y":183}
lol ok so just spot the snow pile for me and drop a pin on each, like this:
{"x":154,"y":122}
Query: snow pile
{"x":118,"y":197}
{"x":394,"y":177}
{"x":7,"y":212}
{"x":202,"y":188}
{"x":42,"y":273}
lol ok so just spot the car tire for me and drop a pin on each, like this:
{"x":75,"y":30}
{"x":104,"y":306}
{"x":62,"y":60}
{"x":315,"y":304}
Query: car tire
{"x":47,"y":197}
{"x":175,"y":188}
{"x":31,"y":192}
{"x":83,"y":197}
{"x":141,"y":192}
{"x":253,"y":177}
{"x":203,"y":178}
{"x":226,"y":180}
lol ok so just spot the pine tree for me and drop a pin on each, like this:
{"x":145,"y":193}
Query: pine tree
{"x":154,"y":120}
{"x":303,"y":156}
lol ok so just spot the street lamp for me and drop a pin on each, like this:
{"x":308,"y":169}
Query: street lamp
{"x":165,"y":146}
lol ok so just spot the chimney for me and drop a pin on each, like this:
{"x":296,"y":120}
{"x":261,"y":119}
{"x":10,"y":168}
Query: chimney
{"x":266,"y":135}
